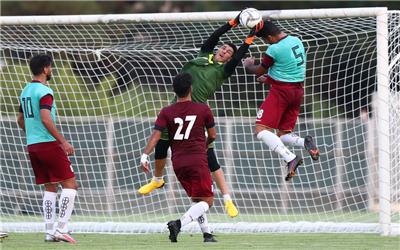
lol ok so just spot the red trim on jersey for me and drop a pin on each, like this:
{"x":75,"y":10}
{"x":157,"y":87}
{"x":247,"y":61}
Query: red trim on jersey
{"x":46,"y":100}
{"x":267,"y":61}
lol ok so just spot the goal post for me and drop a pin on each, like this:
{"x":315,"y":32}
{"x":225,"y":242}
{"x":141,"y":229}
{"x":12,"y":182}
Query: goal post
{"x":112,"y":74}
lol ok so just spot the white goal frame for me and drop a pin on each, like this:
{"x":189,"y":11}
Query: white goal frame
{"x":385,"y":227}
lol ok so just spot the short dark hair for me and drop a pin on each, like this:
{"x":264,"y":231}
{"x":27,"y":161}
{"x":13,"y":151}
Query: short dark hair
{"x":269,"y":29}
{"x":233,"y":46}
{"x":181,"y":84}
{"x":39,"y":62}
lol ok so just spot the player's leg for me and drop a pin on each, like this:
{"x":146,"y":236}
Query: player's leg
{"x":65,"y":207}
{"x":218,"y":176}
{"x":160,"y":155}
{"x":288,"y":123}
{"x":268,"y":117}
{"x":49,"y":211}
{"x":198,"y":185}
{"x":60,"y":171}
{"x":205,"y":228}
{"x":50,"y":194}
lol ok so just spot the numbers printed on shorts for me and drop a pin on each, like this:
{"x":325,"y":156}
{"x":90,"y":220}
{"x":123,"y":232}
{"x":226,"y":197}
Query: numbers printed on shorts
{"x":260,"y":113}
{"x":180,"y":136}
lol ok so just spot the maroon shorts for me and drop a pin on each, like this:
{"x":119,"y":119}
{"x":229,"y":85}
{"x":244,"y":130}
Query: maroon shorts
{"x":195,"y":179}
{"x":281,"y":108}
{"x":49,"y":162}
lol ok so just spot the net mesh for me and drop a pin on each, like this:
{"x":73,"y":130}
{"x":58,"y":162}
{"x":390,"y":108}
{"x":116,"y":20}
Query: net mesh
{"x":110,"y":81}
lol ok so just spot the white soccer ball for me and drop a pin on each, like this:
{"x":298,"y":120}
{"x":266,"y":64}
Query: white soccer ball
{"x":250,"y":17}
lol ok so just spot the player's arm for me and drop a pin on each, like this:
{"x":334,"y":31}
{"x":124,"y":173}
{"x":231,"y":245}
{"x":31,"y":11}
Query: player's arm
{"x":20,"y":119}
{"x":209,"y":45}
{"x":211,"y":135}
{"x":159,"y":126}
{"x":45,"y":116}
{"x":230,"y":66}
{"x":259,"y":69}
{"x":144,"y":160}
{"x":210,"y":126}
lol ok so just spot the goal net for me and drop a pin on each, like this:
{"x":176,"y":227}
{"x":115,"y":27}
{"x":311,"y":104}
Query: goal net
{"x":112,"y":74}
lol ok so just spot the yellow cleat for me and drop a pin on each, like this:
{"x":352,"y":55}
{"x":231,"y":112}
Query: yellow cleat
{"x":231,"y":209}
{"x":148,"y":188}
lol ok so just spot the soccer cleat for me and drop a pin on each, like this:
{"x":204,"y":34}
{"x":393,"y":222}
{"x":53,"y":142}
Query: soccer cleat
{"x":3,"y":235}
{"x":311,"y":147}
{"x":231,"y":209}
{"x":66,"y":237}
{"x":209,"y":237}
{"x":292,"y":166}
{"x":148,"y":188}
{"x":174,"y":227}
{"x":50,"y":238}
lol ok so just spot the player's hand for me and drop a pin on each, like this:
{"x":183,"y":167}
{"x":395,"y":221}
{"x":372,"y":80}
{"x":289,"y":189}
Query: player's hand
{"x":144,"y":162}
{"x":68,"y":148}
{"x":235,"y":21}
{"x":262,"y":79}
{"x":253,"y":32}
{"x":249,"y":61}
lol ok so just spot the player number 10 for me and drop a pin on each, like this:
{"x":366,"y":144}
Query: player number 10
{"x":189,"y":118}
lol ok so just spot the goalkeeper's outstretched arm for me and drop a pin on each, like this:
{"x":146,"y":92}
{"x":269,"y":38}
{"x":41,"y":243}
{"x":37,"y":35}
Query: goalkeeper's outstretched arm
{"x":209,"y":45}
{"x":241,"y":52}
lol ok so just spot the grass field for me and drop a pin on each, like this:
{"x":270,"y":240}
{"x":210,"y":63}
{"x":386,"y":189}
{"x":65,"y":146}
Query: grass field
{"x":34,"y":241}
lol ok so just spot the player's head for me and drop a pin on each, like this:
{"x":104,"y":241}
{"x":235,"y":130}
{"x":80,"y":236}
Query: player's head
{"x":41,"y":64}
{"x":225,"y":52}
{"x":269,"y":32}
{"x":182,"y":84}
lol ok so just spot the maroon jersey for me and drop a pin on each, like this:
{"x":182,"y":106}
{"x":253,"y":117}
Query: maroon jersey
{"x":186,"y":122}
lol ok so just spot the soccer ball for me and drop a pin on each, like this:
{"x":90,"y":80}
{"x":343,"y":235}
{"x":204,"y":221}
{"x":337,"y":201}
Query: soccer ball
{"x":250,"y":17}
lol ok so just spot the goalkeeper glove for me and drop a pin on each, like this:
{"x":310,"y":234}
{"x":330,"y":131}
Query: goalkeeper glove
{"x":235,"y":21}
{"x":252,"y":34}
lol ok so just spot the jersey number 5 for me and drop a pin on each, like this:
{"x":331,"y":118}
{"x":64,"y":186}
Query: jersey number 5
{"x":189,"y":118}
{"x":298,"y":55}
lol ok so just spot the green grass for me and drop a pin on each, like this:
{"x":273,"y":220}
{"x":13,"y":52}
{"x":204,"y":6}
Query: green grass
{"x":226,"y":241}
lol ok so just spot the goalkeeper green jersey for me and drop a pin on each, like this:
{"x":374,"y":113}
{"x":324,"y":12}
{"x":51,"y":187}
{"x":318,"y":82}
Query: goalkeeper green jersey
{"x":207,"y":76}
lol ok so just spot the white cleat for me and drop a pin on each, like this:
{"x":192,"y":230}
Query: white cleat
{"x":50,"y":238}
{"x":66,"y":237}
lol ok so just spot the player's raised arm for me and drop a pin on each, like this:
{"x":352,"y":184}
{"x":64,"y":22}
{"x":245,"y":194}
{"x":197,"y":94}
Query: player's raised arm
{"x":241,"y":52}
{"x":209,"y":45}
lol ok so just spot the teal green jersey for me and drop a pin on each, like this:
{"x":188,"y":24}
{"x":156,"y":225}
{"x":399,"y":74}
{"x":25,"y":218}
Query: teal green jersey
{"x":30,"y":97}
{"x":207,"y":76}
{"x":289,"y":60}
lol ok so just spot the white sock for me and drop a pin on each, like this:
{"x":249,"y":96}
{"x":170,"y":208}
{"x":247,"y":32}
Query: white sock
{"x":157,"y":179}
{"x":203,"y":223}
{"x":227,"y":197}
{"x":275,"y":144}
{"x":49,"y":211}
{"x":293,"y":140}
{"x":194,"y":212}
{"x":66,"y":205}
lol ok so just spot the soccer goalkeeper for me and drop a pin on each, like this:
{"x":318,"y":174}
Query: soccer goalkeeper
{"x":209,"y":71}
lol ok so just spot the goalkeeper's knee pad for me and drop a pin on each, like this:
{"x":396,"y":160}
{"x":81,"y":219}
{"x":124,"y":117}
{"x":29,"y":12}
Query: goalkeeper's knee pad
{"x":212,"y":160}
{"x":161,"y":150}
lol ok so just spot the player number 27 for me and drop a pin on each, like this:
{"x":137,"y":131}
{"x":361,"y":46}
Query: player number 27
{"x":178,"y":134}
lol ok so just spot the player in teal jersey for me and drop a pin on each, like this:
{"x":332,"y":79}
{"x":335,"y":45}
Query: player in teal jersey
{"x":48,"y":149}
{"x":285,"y":65}
{"x":209,"y":70}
